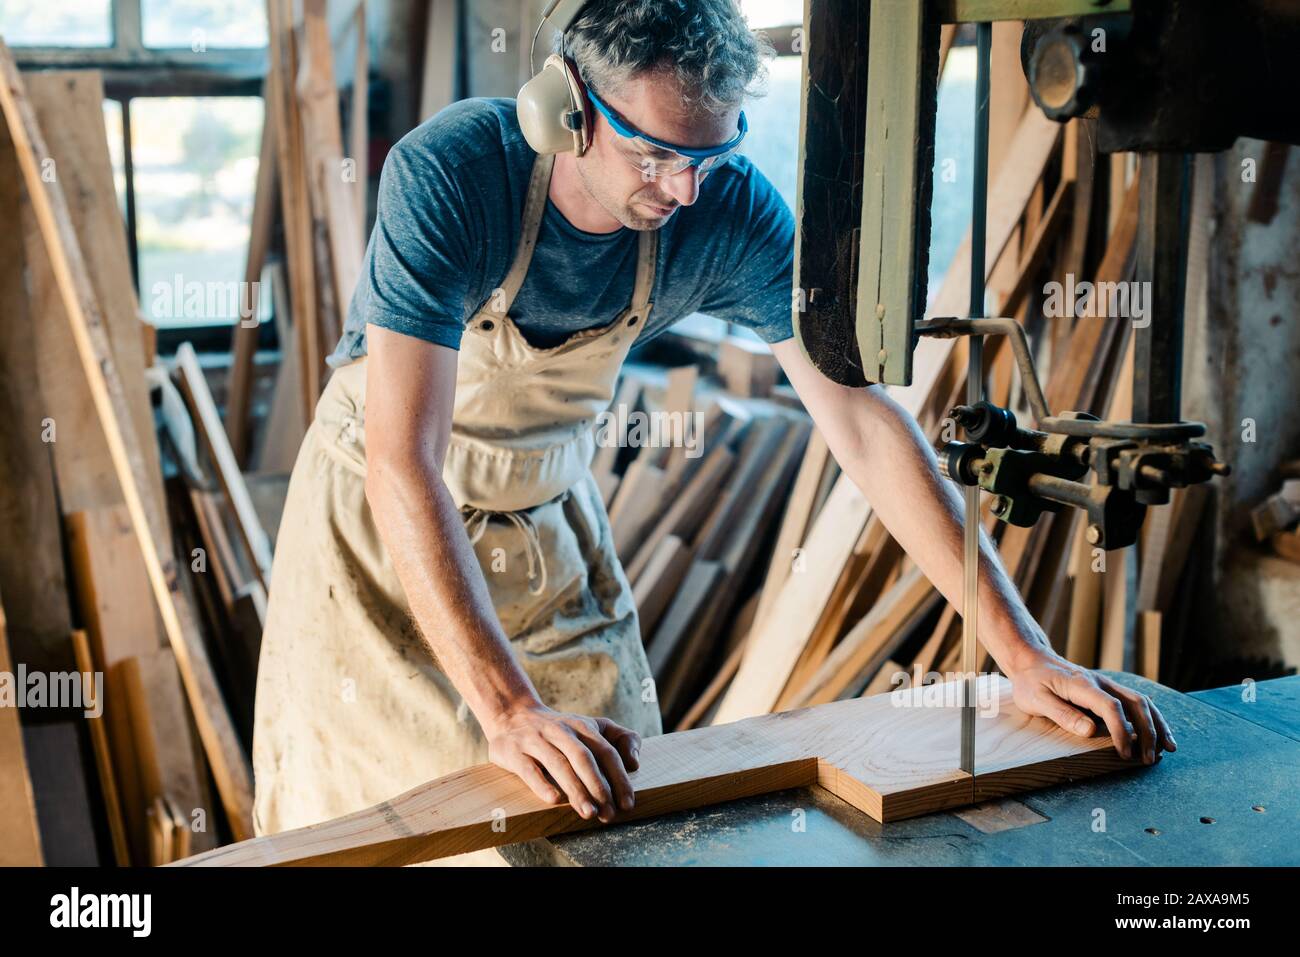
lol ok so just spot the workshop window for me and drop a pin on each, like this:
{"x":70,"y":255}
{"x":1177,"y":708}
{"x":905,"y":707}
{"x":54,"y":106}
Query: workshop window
{"x":195,"y":173}
{"x":183,"y":113}
{"x":772,"y":13}
{"x":61,"y":23}
{"x":203,"y":24}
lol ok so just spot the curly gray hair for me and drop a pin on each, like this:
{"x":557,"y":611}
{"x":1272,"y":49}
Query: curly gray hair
{"x":706,"y":44}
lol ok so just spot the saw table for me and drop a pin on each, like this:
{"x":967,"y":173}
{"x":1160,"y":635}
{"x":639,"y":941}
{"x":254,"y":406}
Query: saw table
{"x":1228,"y":796}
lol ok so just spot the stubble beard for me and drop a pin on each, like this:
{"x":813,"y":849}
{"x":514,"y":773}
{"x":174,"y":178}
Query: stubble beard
{"x":624,"y":212}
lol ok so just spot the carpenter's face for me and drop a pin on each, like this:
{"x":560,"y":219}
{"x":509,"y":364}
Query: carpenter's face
{"x":652,"y":104}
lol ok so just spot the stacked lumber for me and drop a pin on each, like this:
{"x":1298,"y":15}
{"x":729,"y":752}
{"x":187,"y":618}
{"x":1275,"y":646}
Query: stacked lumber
{"x":1276,"y":520}
{"x":320,"y":179}
{"x":692,"y":511}
{"x":105,"y":576}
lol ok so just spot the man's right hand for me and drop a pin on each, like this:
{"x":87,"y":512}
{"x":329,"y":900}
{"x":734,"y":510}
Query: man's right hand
{"x":559,"y":755}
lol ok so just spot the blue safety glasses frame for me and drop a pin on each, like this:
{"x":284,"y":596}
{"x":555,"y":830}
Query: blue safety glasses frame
{"x":683,"y":157}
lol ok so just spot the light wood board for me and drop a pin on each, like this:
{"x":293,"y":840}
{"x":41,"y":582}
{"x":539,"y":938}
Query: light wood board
{"x":889,"y":761}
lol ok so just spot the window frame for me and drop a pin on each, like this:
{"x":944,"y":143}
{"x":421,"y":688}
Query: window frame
{"x":132,"y":70}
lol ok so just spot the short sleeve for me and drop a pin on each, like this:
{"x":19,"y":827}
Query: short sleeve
{"x":421,"y":262}
{"x":756,"y":291}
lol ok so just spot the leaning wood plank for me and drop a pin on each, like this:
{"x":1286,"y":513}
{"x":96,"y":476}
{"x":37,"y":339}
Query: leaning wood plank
{"x":69,"y":109}
{"x":799,"y":512}
{"x":229,"y":764}
{"x":441,"y":52}
{"x":103,"y":756}
{"x":333,"y":196}
{"x":872,"y":640}
{"x":164,"y":743}
{"x":295,"y":202}
{"x":657,"y":585}
{"x":285,"y":427}
{"x":892,"y":756}
{"x":359,"y":137}
{"x":779,"y":639}
{"x":244,"y":340}
{"x":195,"y":389}
{"x":116,"y":604}
{"x":32,"y":578}
{"x":687,"y":510}
{"x":20,"y":834}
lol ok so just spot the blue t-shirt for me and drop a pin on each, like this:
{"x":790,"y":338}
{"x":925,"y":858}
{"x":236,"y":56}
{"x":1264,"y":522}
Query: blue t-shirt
{"x":448,"y":223}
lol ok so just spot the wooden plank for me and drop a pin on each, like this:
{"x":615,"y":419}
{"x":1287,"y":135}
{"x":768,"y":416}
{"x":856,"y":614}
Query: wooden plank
{"x":759,"y":451}
{"x":689,"y":602}
{"x":243,"y":346}
{"x":871,"y":641}
{"x":165,"y":747}
{"x":747,"y":368}
{"x":1114,"y":616}
{"x":117,"y":608}
{"x":778,"y":640}
{"x":1149,"y":626}
{"x":230,"y":766}
{"x":888,"y":761}
{"x":20,"y":833}
{"x":708,"y":637}
{"x":32,"y":577}
{"x":285,"y":426}
{"x":69,"y":109}
{"x":688,"y":508}
{"x":658,"y":583}
{"x":798,"y":517}
{"x":194,"y":386}
{"x":636,"y":506}
{"x":294,"y":200}
{"x":103,"y":754}
{"x":359,"y":142}
{"x":441,"y":52}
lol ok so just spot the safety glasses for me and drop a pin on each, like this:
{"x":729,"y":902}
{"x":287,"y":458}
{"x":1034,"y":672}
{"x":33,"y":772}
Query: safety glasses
{"x":656,"y":158}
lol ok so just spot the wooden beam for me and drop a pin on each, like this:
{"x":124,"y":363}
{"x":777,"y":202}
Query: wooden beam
{"x":799,"y":514}
{"x":208,"y":423}
{"x":890,"y":761}
{"x":20,"y":834}
{"x":165,"y":747}
{"x":49,"y":207}
{"x":33,"y":577}
{"x":294,"y":200}
{"x":244,"y":342}
{"x":441,"y":53}
{"x":87,"y":665}
{"x":69,"y":110}
{"x":777,"y":641}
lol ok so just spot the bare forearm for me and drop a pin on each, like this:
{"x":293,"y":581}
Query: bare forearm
{"x":435,"y":563}
{"x":898,"y":472}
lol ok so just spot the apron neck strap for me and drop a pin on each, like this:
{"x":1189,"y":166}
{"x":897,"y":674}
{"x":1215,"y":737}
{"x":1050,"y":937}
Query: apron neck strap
{"x":539,"y":187}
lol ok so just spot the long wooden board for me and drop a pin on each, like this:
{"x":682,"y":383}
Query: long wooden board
{"x":20,"y":834}
{"x":890,"y":761}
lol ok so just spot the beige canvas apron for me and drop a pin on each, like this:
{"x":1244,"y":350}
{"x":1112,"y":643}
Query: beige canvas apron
{"x":351,"y":710}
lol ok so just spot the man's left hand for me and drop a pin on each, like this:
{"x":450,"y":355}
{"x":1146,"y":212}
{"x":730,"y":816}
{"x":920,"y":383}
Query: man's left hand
{"x":1046,"y":684}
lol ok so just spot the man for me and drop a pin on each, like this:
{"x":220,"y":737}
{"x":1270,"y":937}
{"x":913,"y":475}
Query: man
{"x":446,"y":586}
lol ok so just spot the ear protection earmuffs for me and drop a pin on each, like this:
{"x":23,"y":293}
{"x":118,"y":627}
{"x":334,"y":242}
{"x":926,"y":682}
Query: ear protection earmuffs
{"x":553,"y":108}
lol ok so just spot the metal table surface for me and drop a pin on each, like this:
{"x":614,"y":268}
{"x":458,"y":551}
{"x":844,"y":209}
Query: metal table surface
{"x":1230,"y":795}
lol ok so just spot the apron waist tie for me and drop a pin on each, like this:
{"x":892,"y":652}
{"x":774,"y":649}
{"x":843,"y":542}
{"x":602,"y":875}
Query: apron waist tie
{"x":476,"y":520}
